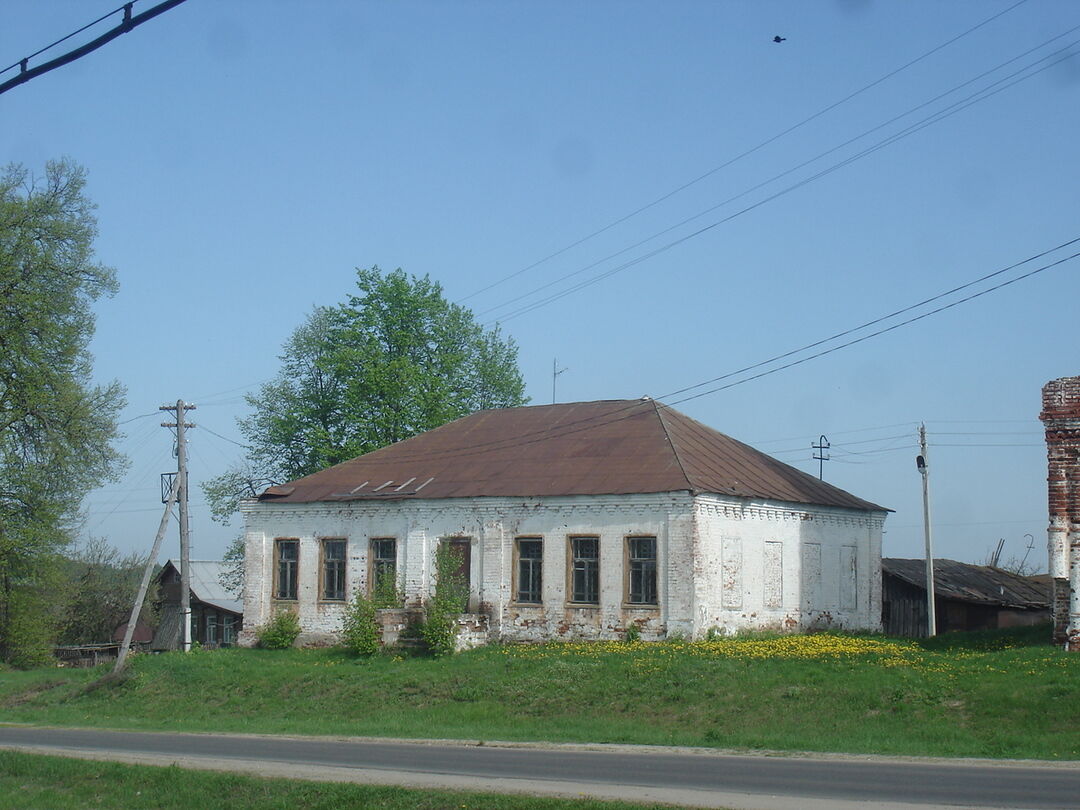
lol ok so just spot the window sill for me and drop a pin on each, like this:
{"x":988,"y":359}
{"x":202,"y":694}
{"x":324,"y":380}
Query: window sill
{"x":653,"y":606}
{"x":583,"y":605}
{"x":515,"y":604}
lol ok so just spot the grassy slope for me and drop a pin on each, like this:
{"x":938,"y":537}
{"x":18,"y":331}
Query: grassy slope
{"x":986,"y":696}
{"x":29,"y":782}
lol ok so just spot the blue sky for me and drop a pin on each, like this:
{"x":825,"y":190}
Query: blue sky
{"x":246,"y":157}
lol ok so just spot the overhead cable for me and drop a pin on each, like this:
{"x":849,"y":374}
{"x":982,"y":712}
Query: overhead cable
{"x":946,"y":112}
{"x":129,"y":22}
{"x":828,"y":108}
{"x":586,"y":423}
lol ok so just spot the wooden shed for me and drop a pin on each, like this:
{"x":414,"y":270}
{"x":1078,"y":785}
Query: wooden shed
{"x":966,"y":597}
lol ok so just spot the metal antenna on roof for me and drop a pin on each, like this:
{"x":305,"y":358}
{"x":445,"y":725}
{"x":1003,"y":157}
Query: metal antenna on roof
{"x":555,"y":372}
{"x":822,"y":455}
{"x":1030,"y":546}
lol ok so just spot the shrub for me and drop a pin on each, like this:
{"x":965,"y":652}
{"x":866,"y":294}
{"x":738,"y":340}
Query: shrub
{"x":386,"y":593}
{"x":360,"y":632}
{"x":633,"y":633}
{"x":280,"y":632}
{"x":440,"y":627}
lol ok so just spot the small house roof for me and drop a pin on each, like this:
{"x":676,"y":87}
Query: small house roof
{"x":981,"y":584}
{"x":204,"y":577}
{"x":609,"y":447}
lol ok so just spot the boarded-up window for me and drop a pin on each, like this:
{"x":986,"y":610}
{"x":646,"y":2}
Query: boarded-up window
{"x":774,"y":574}
{"x":811,"y":576}
{"x":849,"y":593}
{"x":731,"y":588}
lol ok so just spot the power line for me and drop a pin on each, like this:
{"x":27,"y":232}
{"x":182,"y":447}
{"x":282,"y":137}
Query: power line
{"x":747,"y":153}
{"x":946,"y":112}
{"x":586,"y":423}
{"x":885,"y":330}
{"x":836,"y":432}
{"x":129,"y":22}
{"x":140,"y":416}
{"x":875,"y":321}
{"x":69,"y":36}
{"x":224,"y":438}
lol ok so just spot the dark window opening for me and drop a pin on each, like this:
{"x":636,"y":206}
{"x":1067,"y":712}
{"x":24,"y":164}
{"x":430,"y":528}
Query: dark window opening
{"x":288,"y":554}
{"x":383,"y":563}
{"x":334,"y":570}
{"x":641,"y":552}
{"x":585,"y":562}
{"x":530,"y":571}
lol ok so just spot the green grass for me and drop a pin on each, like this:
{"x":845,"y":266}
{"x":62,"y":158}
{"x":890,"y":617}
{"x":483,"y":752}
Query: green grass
{"x":33,"y":782}
{"x":983,"y":695}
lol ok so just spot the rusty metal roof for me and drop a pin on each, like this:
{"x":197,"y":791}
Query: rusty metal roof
{"x":609,"y":447}
{"x":981,"y":584}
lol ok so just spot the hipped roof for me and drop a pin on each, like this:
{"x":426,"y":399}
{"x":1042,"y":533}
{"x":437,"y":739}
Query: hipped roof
{"x":610,"y":447}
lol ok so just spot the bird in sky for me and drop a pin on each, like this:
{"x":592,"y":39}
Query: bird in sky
{"x":779,"y":38}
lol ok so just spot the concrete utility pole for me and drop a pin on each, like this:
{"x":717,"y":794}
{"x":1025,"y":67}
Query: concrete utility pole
{"x":182,"y":489}
{"x":924,"y":468}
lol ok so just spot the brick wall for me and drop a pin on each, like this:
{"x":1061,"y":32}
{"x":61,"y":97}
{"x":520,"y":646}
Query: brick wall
{"x":1061,"y":418}
{"x":707,"y":548}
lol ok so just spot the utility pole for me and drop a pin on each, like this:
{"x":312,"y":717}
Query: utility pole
{"x":924,"y":468}
{"x":182,"y":490}
{"x":555,"y":372}
{"x":822,"y":455}
{"x":121,"y":655}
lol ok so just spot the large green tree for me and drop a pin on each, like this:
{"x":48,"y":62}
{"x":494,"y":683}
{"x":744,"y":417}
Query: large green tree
{"x":102,"y":585}
{"x":56,"y":425}
{"x":393,"y":360}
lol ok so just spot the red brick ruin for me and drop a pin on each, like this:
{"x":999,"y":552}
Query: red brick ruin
{"x":1061,"y":417}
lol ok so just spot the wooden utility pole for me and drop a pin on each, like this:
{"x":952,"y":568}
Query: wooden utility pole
{"x":924,"y":468}
{"x":182,"y":488}
{"x":121,"y":656}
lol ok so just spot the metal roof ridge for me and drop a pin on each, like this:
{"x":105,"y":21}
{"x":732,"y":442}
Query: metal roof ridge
{"x":690,"y":485}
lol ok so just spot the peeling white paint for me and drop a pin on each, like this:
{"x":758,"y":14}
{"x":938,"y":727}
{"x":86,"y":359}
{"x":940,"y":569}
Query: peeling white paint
{"x":725,"y":563}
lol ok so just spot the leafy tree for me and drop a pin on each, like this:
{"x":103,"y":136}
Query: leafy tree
{"x":392,"y":361}
{"x":56,"y":426}
{"x":232,"y":574}
{"x":101,"y":590}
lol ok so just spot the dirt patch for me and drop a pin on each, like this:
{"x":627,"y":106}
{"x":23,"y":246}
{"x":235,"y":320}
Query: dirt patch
{"x":28,"y":695}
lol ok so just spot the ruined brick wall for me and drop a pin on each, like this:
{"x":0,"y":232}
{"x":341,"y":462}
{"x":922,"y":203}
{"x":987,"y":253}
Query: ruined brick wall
{"x":1061,"y":417}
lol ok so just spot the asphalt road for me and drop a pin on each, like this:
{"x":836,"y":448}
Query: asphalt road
{"x":694,"y":777}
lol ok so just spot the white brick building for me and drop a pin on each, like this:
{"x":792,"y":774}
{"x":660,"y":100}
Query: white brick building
{"x":576,"y":521}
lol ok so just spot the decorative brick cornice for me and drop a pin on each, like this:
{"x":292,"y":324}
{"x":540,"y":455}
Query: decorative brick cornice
{"x":785,"y":513}
{"x":474,"y":509}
